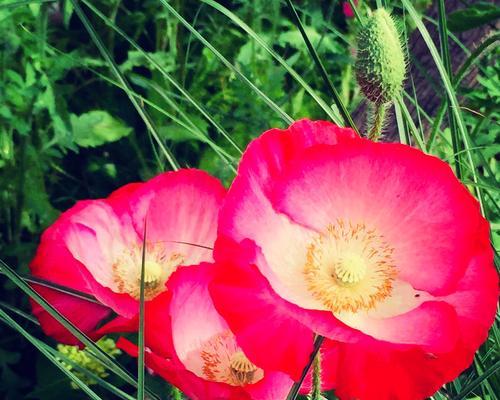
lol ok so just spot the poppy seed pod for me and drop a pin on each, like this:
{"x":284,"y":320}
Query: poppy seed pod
{"x":380,"y":64}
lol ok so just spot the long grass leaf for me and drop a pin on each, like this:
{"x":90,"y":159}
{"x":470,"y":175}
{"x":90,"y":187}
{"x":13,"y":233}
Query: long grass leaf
{"x":403,"y":134}
{"x":477,"y":382}
{"x":16,"y":4}
{"x":238,"y":22}
{"x":165,"y":74}
{"x":445,"y":54}
{"x":100,"y":355}
{"x":449,"y":90}
{"x":294,"y":391}
{"x":106,"y":385}
{"x":358,"y":16}
{"x":14,"y":325}
{"x":477,"y":54}
{"x":140,"y":357}
{"x":348,"y":121}
{"x":114,"y":68}
{"x":20,"y":313}
{"x":409,"y":120}
{"x":226,"y":62}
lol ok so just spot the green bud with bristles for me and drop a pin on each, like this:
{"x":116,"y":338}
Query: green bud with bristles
{"x":380,"y":64}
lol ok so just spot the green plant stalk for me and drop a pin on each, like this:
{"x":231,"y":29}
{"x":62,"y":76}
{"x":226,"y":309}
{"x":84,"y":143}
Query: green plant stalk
{"x":356,"y":12}
{"x":140,"y":357}
{"x":176,"y":394}
{"x":114,"y":68}
{"x":16,"y":4}
{"x":450,"y":91}
{"x":294,"y":391}
{"x":348,"y":121}
{"x":224,"y":60}
{"x":165,"y":74}
{"x":238,"y":22}
{"x":459,"y":76}
{"x":316,"y":378}
{"x":378,"y":122}
{"x":96,"y":351}
{"x":445,"y":54}
{"x":14,"y":325}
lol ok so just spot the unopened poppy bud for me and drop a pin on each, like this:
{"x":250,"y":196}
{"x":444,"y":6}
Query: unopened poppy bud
{"x":380,"y":64}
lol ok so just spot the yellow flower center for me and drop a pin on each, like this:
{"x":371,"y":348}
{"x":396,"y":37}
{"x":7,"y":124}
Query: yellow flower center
{"x":223,"y":361}
{"x":152,"y":273}
{"x":158,"y":267}
{"x":349,"y":267}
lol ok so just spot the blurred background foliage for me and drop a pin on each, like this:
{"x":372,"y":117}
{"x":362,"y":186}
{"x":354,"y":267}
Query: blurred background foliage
{"x":69,"y":131}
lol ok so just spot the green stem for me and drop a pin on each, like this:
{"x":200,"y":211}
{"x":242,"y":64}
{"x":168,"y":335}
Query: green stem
{"x":316,"y":378}
{"x":176,"y":394}
{"x":378,"y":122}
{"x":314,"y":54}
{"x":294,"y":391}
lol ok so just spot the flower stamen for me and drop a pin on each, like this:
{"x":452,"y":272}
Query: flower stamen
{"x":159,"y":265}
{"x":223,"y":361}
{"x":349,"y":267}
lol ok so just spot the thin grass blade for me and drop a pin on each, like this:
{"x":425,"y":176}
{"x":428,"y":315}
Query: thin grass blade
{"x":445,"y":54}
{"x":348,"y":121}
{"x":238,"y":22}
{"x":14,"y":325}
{"x":100,"y":355}
{"x":114,"y":68}
{"x":16,"y":4}
{"x":165,"y":74}
{"x":284,"y":116}
{"x":140,"y":357}
{"x":450,"y":92}
{"x":294,"y":391}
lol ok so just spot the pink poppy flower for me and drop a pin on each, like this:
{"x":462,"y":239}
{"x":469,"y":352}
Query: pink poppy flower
{"x":191,"y":346}
{"x":376,"y":246}
{"x":96,"y":247}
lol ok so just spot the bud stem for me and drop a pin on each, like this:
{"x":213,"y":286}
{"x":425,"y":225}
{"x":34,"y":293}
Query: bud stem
{"x":294,"y":391}
{"x":377,"y":122}
{"x":316,"y":379}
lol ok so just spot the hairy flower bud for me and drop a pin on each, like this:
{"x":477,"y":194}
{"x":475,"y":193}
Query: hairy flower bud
{"x":380,"y":65}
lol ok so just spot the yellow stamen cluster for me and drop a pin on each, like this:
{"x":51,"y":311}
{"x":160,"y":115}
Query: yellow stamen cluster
{"x":158,"y":266}
{"x":223,"y":361}
{"x":349,"y":267}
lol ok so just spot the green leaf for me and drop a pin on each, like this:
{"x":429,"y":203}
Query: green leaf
{"x":472,"y":17}
{"x":96,"y":128}
{"x":181,"y":133}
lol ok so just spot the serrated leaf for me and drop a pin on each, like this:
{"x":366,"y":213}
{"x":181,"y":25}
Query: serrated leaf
{"x":96,"y":128}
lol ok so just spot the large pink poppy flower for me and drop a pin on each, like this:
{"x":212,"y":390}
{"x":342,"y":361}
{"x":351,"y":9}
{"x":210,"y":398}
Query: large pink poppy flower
{"x":191,"y":346}
{"x":96,"y":247}
{"x":375,"y":246}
